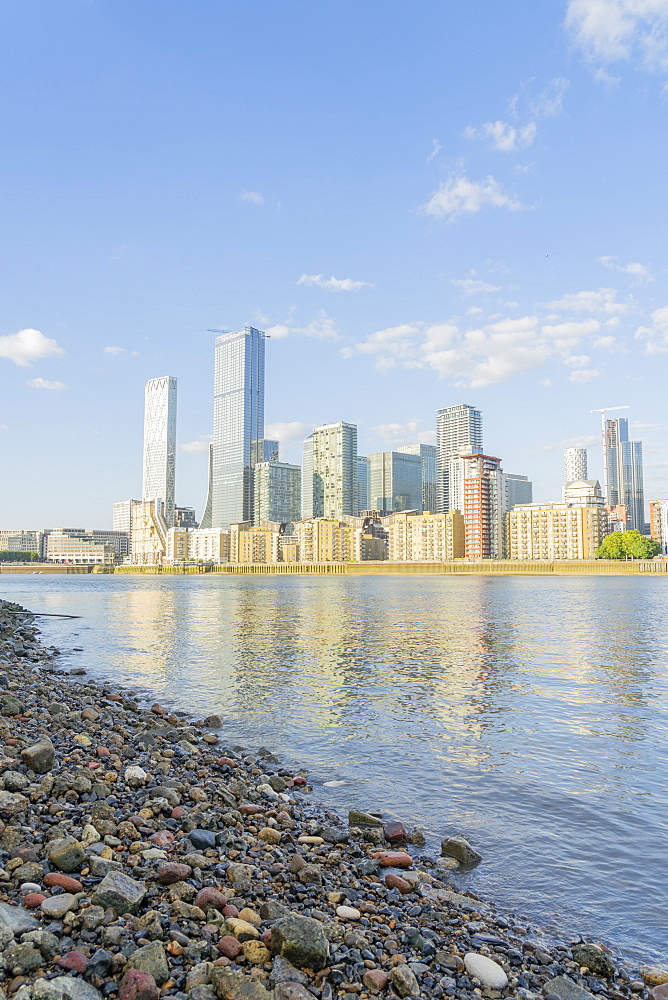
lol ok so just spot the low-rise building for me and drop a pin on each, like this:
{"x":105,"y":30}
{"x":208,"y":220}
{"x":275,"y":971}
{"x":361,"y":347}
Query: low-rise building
{"x":553,"y":531}
{"x":20,"y":540}
{"x":323,"y":539}
{"x":658,"y":523}
{"x":415,"y":537}
{"x":209,"y":545}
{"x":259,"y":544}
{"x":184,"y":517}
{"x":148,"y":544}
{"x":79,"y":548}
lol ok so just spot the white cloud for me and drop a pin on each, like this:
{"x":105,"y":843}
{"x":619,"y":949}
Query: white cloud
{"x":27,"y":346}
{"x":550,"y":101}
{"x":475,"y":286}
{"x":113,"y":351}
{"x":603,"y":301}
{"x":333,"y":284}
{"x":288,"y":432}
{"x":253,"y":197}
{"x":4,"y":427}
{"x":435,"y":150}
{"x":584,"y":441}
{"x":397,"y":435}
{"x":656,"y":335}
{"x":322,"y":327}
{"x":460,"y":196}
{"x":612,"y":30}
{"x":503,"y":136}
{"x":198,"y":446}
{"x":638,"y":271}
{"x":279,"y":331}
{"x":45,"y":383}
{"x":584,"y":375}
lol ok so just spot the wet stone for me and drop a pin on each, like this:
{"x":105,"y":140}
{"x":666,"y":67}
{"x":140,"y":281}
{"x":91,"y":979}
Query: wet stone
{"x":119,"y":891}
{"x":66,"y":854}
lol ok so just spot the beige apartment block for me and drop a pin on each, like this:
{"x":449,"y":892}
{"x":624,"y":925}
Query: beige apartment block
{"x":555,"y":531}
{"x":79,"y":549}
{"x":148,"y":544}
{"x":177,"y":546}
{"x":254,"y":545}
{"x":209,"y":545}
{"x":426,"y":537}
{"x":322,"y":539}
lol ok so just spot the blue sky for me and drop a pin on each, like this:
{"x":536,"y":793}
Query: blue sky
{"x":424,"y":203}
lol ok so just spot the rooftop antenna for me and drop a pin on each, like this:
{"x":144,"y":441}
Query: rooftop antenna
{"x":606,"y":467}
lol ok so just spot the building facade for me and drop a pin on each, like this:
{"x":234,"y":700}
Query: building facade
{"x":429,"y":455}
{"x":184,"y":517}
{"x":148,"y":541}
{"x":428,"y":537}
{"x":624,"y":471}
{"x":458,"y":430}
{"x":481,"y":507}
{"x":254,"y":543}
{"x":395,"y":481}
{"x":322,"y":539}
{"x":78,"y":547}
{"x":19,"y":540}
{"x":277,"y":493}
{"x":556,"y":531}
{"x":206,"y":516}
{"x":362,"y":484}
{"x":575,"y":464}
{"x":329,"y":471}
{"x":238,"y":424}
{"x":658,"y":523}
{"x":160,"y":443}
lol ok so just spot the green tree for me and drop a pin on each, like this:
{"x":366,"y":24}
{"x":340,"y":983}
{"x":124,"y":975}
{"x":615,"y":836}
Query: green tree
{"x":6,"y":555}
{"x":627,"y":544}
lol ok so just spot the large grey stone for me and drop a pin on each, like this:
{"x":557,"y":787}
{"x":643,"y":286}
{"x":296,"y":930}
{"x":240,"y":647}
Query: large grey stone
{"x":21,"y":958}
{"x":14,"y":781}
{"x":12,"y":803}
{"x":39,"y":757}
{"x":231,"y":984}
{"x":120,"y":891}
{"x":152,"y":959}
{"x":57,"y":906}
{"x":301,"y":940}
{"x":66,"y":854}
{"x":595,"y":959}
{"x":292,"y":991}
{"x":404,"y":981}
{"x":18,"y":920}
{"x":356,"y":818}
{"x":566,"y":989}
{"x":61,"y":988}
{"x":460,"y":849}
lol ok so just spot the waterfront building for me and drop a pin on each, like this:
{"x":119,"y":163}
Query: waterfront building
{"x":623,"y":465}
{"x":20,"y":540}
{"x":254,"y":543}
{"x":481,"y":507}
{"x":208,"y":506}
{"x":238,"y":424}
{"x":553,"y":531}
{"x":208,"y":545}
{"x":362,"y":484}
{"x":160,"y":443}
{"x":428,"y":537}
{"x":184,"y":517}
{"x":79,"y":547}
{"x":322,"y":539}
{"x":458,"y":430}
{"x":429,"y":455}
{"x":176,"y":547}
{"x":148,"y":542}
{"x":658,"y":523}
{"x":507,"y":490}
{"x":277,"y":493}
{"x":122,"y":516}
{"x":395,"y":481}
{"x":575,"y":464}
{"x":618,"y":517}
{"x":329,"y":471}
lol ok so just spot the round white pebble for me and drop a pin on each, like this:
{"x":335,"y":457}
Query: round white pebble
{"x":488,"y":972}
{"x":348,"y":913}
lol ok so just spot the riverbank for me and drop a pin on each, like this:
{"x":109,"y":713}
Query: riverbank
{"x":135,"y":793}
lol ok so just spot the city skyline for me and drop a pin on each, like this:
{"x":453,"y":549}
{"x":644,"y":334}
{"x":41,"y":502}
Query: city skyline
{"x":405,"y":239}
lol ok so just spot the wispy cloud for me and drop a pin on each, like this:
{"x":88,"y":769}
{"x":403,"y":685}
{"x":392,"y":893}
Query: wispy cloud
{"x":253,"y":197}
{"x":45,"y":383}
{"x":333,"y":284}
{"x":503,"y":136}
{"x":113,"y":351}
{"x":584,"y":441}
{"x":472,"y":285}
{"x":27,"y":346}
{"x":411,"y":432}
{"x":603,"y":301}
{"x":460,"y":196}
{"x":287,"y":432}
{"x":435,"y":150}
{"x":197,"y":447}
{"x":656,"y":335}
{"x":321,"y":327}
{"x":609,"y":31}
{"x":507,"y":137}
{"x":4,"y":427}
{"x":638,"y":271}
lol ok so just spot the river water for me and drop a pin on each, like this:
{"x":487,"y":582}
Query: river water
{"x":529,"y":715}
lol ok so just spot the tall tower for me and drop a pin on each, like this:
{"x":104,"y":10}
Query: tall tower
{"x":575,"y":465}
{"x":160,"y":443}
{"x":458,"y":431}
{"x":624,"y":471}
{"x":329,"y":471}
{"x":395,"y":481}
{"x":429,"y":455}
{"x":238,"y":424}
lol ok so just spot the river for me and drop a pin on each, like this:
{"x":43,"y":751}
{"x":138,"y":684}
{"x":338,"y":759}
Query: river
{"x":529,"y":715}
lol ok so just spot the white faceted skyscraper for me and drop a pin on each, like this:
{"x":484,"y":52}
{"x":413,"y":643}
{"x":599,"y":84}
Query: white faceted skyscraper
{"x":575,"y":465}
{"x":160,"y":443}
{"x":238,"y":424}
{"x":458,"y":432}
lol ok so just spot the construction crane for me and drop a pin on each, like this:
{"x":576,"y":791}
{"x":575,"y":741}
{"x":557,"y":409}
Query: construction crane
{"x":214,"y":330}
{"x":607,"y":409}
{"x":606,"y":469}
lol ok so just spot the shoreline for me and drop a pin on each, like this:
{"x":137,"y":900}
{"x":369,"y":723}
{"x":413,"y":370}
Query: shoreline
{"x":413,"y":937}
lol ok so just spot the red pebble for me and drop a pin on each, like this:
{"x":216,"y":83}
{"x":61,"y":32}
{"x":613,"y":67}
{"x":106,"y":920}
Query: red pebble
{"x":210,"y":898}
{"x":394,"y":831}
{"x":162,"y":838}
{"x":246,"y":809}
{"x":227,"y":760}
{"x":32,"y":900}
{"x":75,"y":961}
{"x":265,"y":937}
{"x":229,"y":946}
{"x":230,"y":911}
{"x":159,"y":710}
{"x":103,"y":752}
{"x":93,"y":765}
{"x":393,"y":881}
{"x":301,"y":781}
{"x":138,"y":985}
{"x":393,"y":859}
{"x":66,"y":882}
{"x":178,"y":812}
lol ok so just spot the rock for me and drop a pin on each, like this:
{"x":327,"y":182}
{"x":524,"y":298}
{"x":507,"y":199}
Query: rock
{"x":33,"y":900}
{"x":100,"y":962}
{"x":210,"y":898}
{"x":66,"y":854}
{"x":301,"y":940}
{"x":64,"y":988}
{"x":395,"y":832}
{"x":284,"y":972}
{"x":487,"y":971}
{"x":48,"y":943}
{"x":14,"y":781}
{"x":348,"y":913}
{"x":242,"y":930}
{"x":39,"y":757}
{"x":119,"y":891}
{"x":393,"y":859}
{"x":653,"y":975}
{"x":65,"y":882}
{"x":292,"y":991}
{"x":659,"y":992}
{"x":595,"y":959}
{"x":21,"y":958}
{"x":213,"y":722}
{"x":460,"y":849}
{"x":12,"y":803}
{"x":135,"y":776}
{"x":310,"y":875}
{"x":240,"y":876}
{"x":566,"y":989}
{"x":255,"y":952}
{"x":231,"y":984}
{"x":138,"y":985}
{"x":10,"y":705}
{"x":393,"y":881}
{"x":16,"y":919}
{"x":375,"y":980}
{"x":56,"y":907}
{"x":151,"y":959}
{"x":363,"y":819}
{"x":172,"y":872}
{"x":404,"y":981}
{"x":270,"y":835}
{"x":202,"y":840}
{"x":74,"y":961}
{"x":229,"y":946}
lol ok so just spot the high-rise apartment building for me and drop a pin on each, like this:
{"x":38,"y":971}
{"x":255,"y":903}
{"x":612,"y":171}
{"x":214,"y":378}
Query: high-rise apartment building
{"x":658,"y":523}
{"x":206,"y":516}
{"x":458,"y":431}
{"x":429,"y":455}
{"x":481,"y":505}
{"x":329,"y":471}
{"x":575,"y":465}
{"x":277,"y":493}
{"x":362,"y":477}
{"x":624,"y":471}
{"x":160,"y":443}
{"x":238,"y":424}
{"x":395,"y":481}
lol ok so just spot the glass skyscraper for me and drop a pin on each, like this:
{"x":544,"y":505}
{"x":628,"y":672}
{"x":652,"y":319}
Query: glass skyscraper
{"x":429,"y":455}
{"x":160,"y":443}
{"x":395,"y":481}
{"x":458,"y":432}
{"x":329,"y":471}
{"x":238,"y":424}
{"x":623,"y":471}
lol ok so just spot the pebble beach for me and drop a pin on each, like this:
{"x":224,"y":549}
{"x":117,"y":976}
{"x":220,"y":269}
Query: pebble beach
{"x":142,"y":857}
